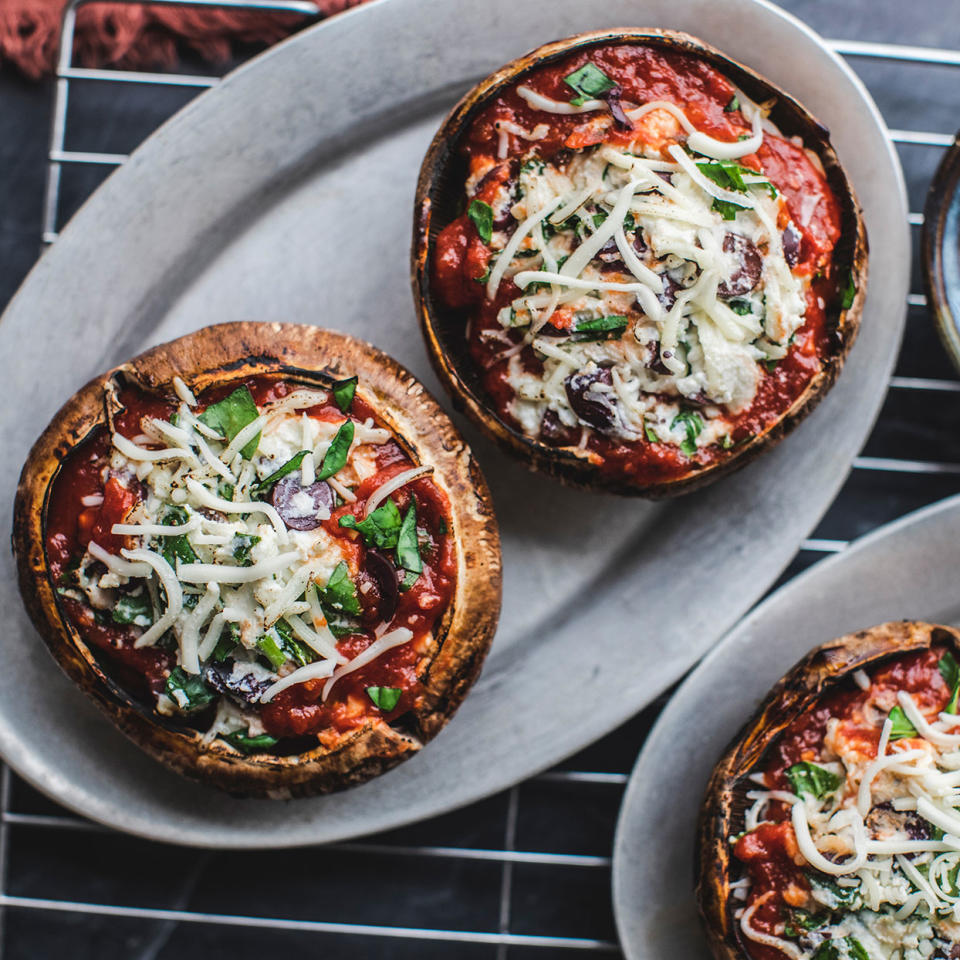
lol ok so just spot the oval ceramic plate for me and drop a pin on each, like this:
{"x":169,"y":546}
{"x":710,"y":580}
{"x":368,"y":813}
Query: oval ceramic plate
{"x":286,"y":194}
{"x":906,"y":570}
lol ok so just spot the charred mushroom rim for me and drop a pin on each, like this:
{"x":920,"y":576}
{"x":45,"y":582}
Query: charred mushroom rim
{"x":830,"y":828}
{"x":265,"y":552}
{"x":637,"y":263}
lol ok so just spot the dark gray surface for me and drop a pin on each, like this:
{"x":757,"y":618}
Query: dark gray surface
{"x":63,"y":863}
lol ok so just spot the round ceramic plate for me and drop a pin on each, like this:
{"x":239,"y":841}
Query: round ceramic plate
{"x":286,"y":194}
{"x":906,"y":570}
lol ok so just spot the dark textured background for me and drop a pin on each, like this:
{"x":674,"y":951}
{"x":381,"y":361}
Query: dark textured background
{"x":70,"y":889}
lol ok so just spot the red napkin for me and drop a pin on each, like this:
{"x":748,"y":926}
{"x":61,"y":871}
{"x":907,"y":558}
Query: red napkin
{"x":137,"y":35}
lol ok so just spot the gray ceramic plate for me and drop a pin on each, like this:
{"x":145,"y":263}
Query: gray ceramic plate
{"x":906,"y":570}
{"x":286,"y":194}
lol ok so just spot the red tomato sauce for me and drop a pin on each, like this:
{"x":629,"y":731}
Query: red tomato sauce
{"x":770,"y":853}
{"x":298,"y":710}
{"x":645,"y":74}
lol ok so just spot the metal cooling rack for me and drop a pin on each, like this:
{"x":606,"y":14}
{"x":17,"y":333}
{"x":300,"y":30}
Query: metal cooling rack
{"x":525,"y":874}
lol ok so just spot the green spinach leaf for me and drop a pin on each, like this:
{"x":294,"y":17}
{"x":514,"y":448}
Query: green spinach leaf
{"x":188,"y":691}
{"x":588,"y":82}
{"x":384,"y":698}
{"x":381,"y":529}
{"x":137,"y":610}
{"x":335,"y":458}
{"x":266,"y":483}
{"x":815,"y":780}
{"x":950,"y":671}
{"x":230,"y":415}
{"x":343,"y":392}
{"x":482,"y":216}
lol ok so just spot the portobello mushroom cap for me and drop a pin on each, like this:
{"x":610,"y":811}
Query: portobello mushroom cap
{"x":307,"y":355}
{"x":437,"y":203}
{"x":725,"y":804}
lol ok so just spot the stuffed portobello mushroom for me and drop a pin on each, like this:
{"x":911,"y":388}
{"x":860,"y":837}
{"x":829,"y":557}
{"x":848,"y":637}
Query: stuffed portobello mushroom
{"x":637,"y":262}
{"x":830,"y":829}
{"x":265,"y":552}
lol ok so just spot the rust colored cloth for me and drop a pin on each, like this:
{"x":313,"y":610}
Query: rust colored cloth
{"x":136,"y":35}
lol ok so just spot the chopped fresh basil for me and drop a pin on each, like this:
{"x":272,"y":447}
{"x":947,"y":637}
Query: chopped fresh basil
{"x":771,"y":365}
{"x":267,"y":482}
{"x":804,"y":920}
{"x":269,"y":646}
{"x":482,"y":216}
{"x":231,"y":415}
{"x":291,"y":646}
{"x":732,"y":105}
{"x":340,"y":624}
{"x":812,"y":779}
{"x":340,"y":592}
{"x":832,"y":894}
{"x":849,"y":292}
{"x":485,"y":277}
{"x":187,"y":691}
{"x":343,"y":391}
{"x":227,"y":643}
{"x":335,"y":458}
{"x":588,"y":82}
{"x":176,"y":548}
{"x":409,"y":579}
{"x":950,"y":671}
{"x":384,"y":698}
{"x":381,"y":529}
{"x":692,"y":423}
{"x":724,"y":173}
{"x":225,"y":490}
{"x":175,"y":516}
{"x":247,"y":744}
{"x":242,"y":544}
{"x":133,"y":609}
{"x":848,"y":948}
{"x":726,"y":210}
{"x":279,"y":645}
{"x":599,"y":328}
{"x":650,"y":433}
{"x":442,"y":527}
{"x":408,"y":546}
{"x":743,"y":308}
{"x":901,"y":728}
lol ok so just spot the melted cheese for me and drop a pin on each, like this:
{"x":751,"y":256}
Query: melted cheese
{"x":903,"y":890}
{"x":661,"y":216}
{"x":247,"y":571}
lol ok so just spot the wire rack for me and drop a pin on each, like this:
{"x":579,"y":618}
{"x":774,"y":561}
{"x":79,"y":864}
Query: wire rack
{"x":523,"y":874}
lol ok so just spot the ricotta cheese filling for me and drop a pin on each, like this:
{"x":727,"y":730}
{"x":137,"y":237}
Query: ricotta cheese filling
{"x":878,"y":836}
{"x":247,"y":588}
{"x":653,"y":280}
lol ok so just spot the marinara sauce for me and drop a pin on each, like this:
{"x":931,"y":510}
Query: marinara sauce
{"x":298,"y":710}
{"x":461,"y":258}
{"x":776,"y":869}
